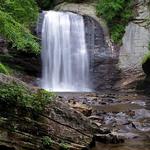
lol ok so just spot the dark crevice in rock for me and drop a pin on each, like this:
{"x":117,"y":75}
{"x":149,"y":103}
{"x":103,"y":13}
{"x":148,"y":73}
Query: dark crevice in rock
{"x":3,"y":147}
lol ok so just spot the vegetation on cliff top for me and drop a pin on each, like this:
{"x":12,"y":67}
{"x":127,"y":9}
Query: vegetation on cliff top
{"x":17,"y":18}
{"x":117,"y":15}
{"x":18,"y":95}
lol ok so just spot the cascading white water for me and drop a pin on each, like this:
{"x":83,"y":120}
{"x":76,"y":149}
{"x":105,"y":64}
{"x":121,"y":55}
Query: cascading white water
{"x":65,"y":65}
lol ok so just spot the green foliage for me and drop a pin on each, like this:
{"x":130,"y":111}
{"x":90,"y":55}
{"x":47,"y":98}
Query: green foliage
{"x":117,"y":32}
{"x":41,"y":99}
{"x":4,"y":69}
{"x":47,"y":141}
{"x":22,"y":11}
{"x":16,"y":17}
{"x":64,"y":146}
{"x":16,"y":94}
{"x":11,"y":93}
{"x":146,"y":57}
{"x":117,"y":14}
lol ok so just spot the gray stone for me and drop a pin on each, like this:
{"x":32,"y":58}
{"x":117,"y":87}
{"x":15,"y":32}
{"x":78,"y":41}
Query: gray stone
{"x":87,"y":9}
{"x":135,"y":45}
{"x":136,"y":39}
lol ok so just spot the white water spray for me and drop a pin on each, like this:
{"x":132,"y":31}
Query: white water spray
{"x":65,"y":65}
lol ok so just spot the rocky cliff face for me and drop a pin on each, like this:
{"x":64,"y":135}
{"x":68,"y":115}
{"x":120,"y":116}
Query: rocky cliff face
{"x":23,"y":128}
{"x":103,"y":70}
{"x":135,"y":45}
{"x":136,"y":38}
{"x":127,"y":60}
{"x":109,"y":64}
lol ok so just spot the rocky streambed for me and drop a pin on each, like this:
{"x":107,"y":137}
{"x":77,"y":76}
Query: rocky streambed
{"x":126,"y":114}
{"x":109,"y":120}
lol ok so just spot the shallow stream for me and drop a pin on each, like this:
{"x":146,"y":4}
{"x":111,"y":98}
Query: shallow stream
{"x":126,"y":114}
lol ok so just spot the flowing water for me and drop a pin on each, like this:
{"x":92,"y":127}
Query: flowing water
{"x":126,"y":114}
{"x":66,"y":69}
{"x":64,"y":53}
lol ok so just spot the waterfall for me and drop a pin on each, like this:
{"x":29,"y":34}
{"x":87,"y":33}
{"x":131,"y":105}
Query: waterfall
{"x":65,"y":65}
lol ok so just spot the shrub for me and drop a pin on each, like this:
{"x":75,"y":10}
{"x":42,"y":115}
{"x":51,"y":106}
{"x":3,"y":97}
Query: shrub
{"x":41,"y":99}
{"x":24,"y":12}
{"x":47,"y":142}
{"x":64,"y":146}
{"x":11,"y":93}
{"x":16,"y":94}
{"x":117,"y":15}
{"x":117,"y":33}
{"x":16,"y":17}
